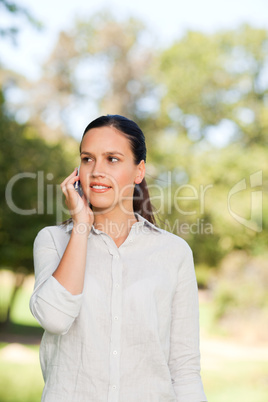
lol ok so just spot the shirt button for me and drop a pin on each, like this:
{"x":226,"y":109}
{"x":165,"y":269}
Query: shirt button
{"x":117,"y":285}
{"x":116,"y":317}
{"x":116,"y":256}
{"x":114,"y":386}
{"x":115,"y":352}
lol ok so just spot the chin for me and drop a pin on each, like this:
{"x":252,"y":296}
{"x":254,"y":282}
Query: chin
{"x":102,"y":207}
{"x":100,"y":200}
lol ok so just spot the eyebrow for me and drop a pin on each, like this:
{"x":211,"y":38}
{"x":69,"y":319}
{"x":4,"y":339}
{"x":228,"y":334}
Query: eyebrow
{"x":105,"y":153}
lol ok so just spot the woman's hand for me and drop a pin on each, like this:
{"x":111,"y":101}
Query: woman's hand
{"x":81,"y":213}
{"x":70,"y":272}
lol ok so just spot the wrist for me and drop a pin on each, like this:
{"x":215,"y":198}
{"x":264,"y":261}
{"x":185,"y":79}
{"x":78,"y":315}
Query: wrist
{"x":81,"y":228}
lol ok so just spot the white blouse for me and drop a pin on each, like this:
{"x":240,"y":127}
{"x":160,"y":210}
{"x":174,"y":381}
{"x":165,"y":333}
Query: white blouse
{"x":133,"y":334}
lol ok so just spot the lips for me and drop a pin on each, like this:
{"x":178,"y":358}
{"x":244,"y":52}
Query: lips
{"x":95,"y":184}
{"x":99,"y":187}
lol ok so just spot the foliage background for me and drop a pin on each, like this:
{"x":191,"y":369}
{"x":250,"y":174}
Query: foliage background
{"x":202,"y":103}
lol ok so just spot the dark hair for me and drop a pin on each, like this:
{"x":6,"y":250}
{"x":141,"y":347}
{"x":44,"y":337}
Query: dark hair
{"x":141,"y":199}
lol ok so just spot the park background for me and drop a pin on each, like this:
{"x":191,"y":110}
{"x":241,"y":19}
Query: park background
{"x":195,"y":77}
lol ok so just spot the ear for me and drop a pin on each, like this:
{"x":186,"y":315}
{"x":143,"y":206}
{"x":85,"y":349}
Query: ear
{"x":140,"y":172}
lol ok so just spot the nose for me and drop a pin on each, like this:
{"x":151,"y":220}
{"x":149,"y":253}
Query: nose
{"x":97,"y":170}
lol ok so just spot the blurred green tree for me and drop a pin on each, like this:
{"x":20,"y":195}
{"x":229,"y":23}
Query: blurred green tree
{"x":202,"y":104}
{"x":31,"y":170}
{"x":99,"y":66}
{"x":213,"y":122}
{"x":216,"y":81}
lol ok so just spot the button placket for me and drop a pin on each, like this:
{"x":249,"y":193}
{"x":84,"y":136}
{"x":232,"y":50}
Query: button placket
{"x":116,"y":313}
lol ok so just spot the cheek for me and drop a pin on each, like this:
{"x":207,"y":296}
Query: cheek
{"x":84,"y":177}
{"x":125,"y":181}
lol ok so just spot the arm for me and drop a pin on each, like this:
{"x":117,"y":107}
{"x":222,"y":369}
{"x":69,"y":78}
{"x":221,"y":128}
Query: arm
{"x":71,"y":269}
{"x":57,"y":296}
{"x":54,"y":307}
{"x":184,"y":359}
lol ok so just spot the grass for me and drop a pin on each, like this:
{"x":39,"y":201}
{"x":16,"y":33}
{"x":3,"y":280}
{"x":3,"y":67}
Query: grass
{"x":242,"y":381}
{"x":20,"y":373}
{"x":20,"y":381}
{"x":232,"y":376}
{"x":226,"y":377}
{"x":237,"y":380}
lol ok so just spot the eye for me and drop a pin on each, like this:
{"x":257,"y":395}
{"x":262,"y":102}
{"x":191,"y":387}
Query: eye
{"x":113,"y":159}
{"x":86,"y":159}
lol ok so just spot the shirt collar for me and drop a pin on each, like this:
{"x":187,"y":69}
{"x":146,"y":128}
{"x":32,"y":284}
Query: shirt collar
{"x":141,"y":221}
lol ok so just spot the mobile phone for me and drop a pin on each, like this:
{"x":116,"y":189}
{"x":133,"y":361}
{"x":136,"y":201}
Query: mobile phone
{"x":77,"y":185}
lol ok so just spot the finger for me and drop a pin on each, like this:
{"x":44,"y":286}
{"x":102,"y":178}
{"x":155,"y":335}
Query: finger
{"x":70,"y":186}
{"x":64,"y":190}
{"x":72,"y":180}
{"x":73,"y":174}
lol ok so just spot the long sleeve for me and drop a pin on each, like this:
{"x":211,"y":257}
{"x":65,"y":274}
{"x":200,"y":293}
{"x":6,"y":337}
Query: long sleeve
{"x":184,"y":359}
{"x":51,"y":304}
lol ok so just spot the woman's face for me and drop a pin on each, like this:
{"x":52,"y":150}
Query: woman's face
{"x":108,"y":173}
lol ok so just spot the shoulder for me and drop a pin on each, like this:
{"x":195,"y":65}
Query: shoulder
{"x":164,"y":239}
{"x":168,"y":249}
{"x":174,"y":241}
{"x":52,"y":234}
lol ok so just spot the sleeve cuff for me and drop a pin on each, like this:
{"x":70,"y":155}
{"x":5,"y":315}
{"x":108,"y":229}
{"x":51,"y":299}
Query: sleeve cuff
{"x":53,"y":293}
{"x":193,"y":392}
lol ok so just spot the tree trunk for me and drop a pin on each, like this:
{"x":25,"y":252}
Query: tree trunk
{"x":18,"y":282}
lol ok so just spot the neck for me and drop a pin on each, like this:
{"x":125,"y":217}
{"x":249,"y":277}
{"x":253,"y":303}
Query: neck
{"x":117,"y":224}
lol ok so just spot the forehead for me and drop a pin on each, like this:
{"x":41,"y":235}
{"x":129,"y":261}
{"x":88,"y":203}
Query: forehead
{"x":106,"y":138}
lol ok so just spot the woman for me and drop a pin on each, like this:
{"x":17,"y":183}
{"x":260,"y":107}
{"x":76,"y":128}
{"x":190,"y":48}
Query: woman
{"x":116,"y":295}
